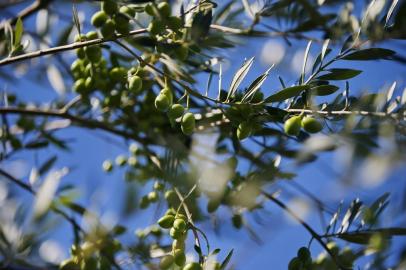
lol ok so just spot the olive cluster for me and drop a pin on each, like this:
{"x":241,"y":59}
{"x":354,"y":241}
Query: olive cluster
{"x":345,"y":256}
{"x":295,"y":123}
{"x":164,"y":103}
{"x":122,"y":160}
{"x":303,"y":260}
{"x":111,"y":18}
{"x":87,"y":256}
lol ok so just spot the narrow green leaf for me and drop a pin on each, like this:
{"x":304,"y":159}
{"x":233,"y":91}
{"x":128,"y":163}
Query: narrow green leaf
{"x":339,"y":74}
{"x":390,"y":11}
{"x":18,"y":32}
{"x":47,"y":165}
{"x":201,"y":24}
{"x":369,"y":54}
{"x":226,"y":260}
{"x":256,"y":85}
{"x":239,"y":77}
{"x":306,"y":56}
{"x":76,"y":18}
{"x":287,"y":93}
{"x":324,"y":90}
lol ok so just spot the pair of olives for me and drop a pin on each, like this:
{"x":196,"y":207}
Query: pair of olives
{"x":309,"y":124}
{"x":111,"y":18}
{"x":162,"y":18}
{"x":302,"y":261}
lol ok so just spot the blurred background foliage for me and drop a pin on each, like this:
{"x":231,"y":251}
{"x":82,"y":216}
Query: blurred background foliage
{"x":180,"y":134}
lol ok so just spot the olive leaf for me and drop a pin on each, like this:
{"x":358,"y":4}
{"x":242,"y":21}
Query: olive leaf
{"x":256,"y":85}
{"x":239,"y":77}
{"x":18,"y":32}
{"x":339,"y":74}
{"x":369,"y":54}
{"x":287,"y":93}
{"x":324,"y":90}
{"x":227,"y":260}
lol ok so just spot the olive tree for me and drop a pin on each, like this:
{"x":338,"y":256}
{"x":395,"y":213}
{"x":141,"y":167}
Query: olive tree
{"x":202,"y":142}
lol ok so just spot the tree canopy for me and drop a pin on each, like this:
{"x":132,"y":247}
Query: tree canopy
{"x":203,"y":143}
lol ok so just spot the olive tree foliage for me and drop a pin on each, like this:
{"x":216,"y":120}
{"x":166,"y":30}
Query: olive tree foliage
{"x":135,"y":72}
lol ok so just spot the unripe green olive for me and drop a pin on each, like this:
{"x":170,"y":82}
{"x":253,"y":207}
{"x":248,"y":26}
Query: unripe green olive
{"x":108,"y":29}
{"x":179,"y":224}
{"x":175,"y":234}
{"x":80,"y":38}
{"x":149,"y":9}
{"x":135,"y":84}
{"x":292,"y":125}
{"x":176,"y":111}
{"x":89,"y":83}
{"x":162,"y":102}
{"x":128,"y":11}
{"x":244,"y":130}
{"x":166,"y":221}
{"x":333,"y":247}
{"x":295,"y":264}
{"x":170,"y":211}
{"x":156,"y":27}
{"x":175,"y":23}
{"x":178,"y":244}
{"x":166,"y":262}
{"x":122,"y":23}
{"x":93,"y":53}
{"x":121,"y":160}
{"x":153,"y":196}
{"x":182,"y":52}
{"x":80,"y":86}
{"x":164,"y":9}
{"x":144,"y":203}
{"x":213,"y":205}
{"x":118,"y":74}
{"x":155,"y":230}
{"x":77,"y":66}
{"x":311,"y":125}
{"x":158,"y":186}
{"x":80,"y":53}
{"x":303,"y":253}
{"x":168,"y":92}
{"x":171,"y":197}
{"x":92,"y":35}
{"x":109,"y":6}
{"x":179,"y":256}
{"x":193,"y":266}
{"x":188,"y":123}
{"x":99,"y":18}
{"x":107,"y":166}
{"x":132,"y":161}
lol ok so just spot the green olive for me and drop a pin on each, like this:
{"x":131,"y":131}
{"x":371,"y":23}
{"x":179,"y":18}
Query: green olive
{"x":304,"y":254}
{"x":144,"y":203}
{"x":180,"y":258}
{"x":295,"y":264}
{"x":121,"y":160}
{"x":168,"y":92}
{"x":176,"y":111}
{"x":244,"y":130}
{"x":155,"y":230}
{"x":175,"y":23}
{"x":128,"y":11}
{"x":311,"y":125}
{"x":93,"y":53}
{"x":68,"y":264}
{"x":89,"y":83}
{"x":153,"y":196}
{"x":166,"y":221}
{"x":158,"y":186}
{"x":166,"y":262}
{"x":99,"y":18}
{"x":156,"y":27}
{"x":134,"y":149}
{"x":292,"y":125}
{"x":77,"y":66}
{"x":92,"y":35}
{"x":80,"y":86}
{"x":135,"y":84}
{"x":107,"y":166}
{"x":118,"y":74}
{"x":170,"y":211}
{"x":80,"y":38}
{"x":179,"y":224}
{"x":162,"y":102}
{"x":188,"y":123}
{"x":132,"y":161}
{"x":193,"y":266}
{"x":182,"y":52}
{"x":122,"y":23}
{"x":164,"y":9}
{"x":149,"y":9}
{"x":178,"y":244}
{"x":333,"y":247}
{"x":175,"y":234}
{"x":108,"y":29}
{"x":109,"y":6}
{"x":80,"y":53}
{"x":171,"y":197}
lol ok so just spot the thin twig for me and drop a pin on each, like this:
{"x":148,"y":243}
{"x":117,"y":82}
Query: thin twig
{"x":313,"y":233}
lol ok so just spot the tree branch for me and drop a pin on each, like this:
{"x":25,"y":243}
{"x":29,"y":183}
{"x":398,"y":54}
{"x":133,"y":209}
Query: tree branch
{"x":313,"y":233}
